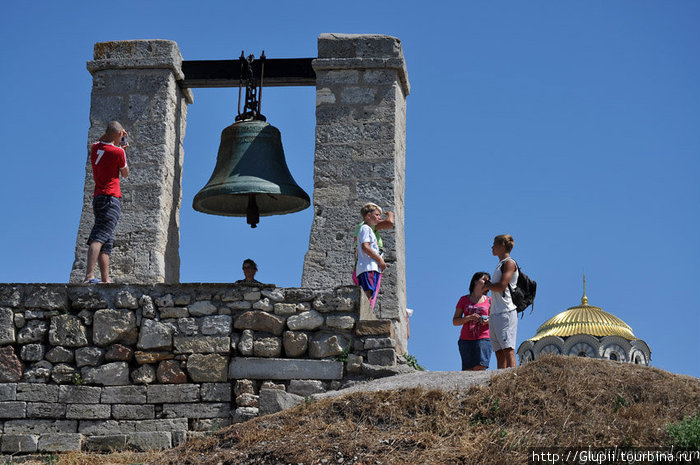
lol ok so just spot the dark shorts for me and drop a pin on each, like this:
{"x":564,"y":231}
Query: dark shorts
{"x":474,"y":353}
{"x":369,"y":281}
{"x":107,"y":210}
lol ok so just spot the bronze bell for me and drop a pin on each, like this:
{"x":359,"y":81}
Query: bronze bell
{"x":251,"y":177}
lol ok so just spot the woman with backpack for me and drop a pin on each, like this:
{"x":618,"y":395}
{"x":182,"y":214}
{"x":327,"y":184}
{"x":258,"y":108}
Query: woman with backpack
{"x":472,"y":313}
{"x":503,"y":321}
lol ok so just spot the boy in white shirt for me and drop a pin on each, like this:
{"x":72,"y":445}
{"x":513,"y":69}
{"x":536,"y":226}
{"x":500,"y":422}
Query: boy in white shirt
{"x":370,"y":263}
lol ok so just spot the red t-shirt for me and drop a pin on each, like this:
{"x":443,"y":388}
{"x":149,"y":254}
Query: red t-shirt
{"x":107,"y":159}
{"x":473,"y":331}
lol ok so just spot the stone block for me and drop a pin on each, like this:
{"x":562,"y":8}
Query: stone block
{"x":295,"y":344}
{"x":60,"y":442}
{"x":150,"y":440}
{"x":244,"y":386}
{"x":207,"y":368}
{"x":202,"y":308}
{"x":33,"y":331}
{"x":124,"y":395}
{"x":308,"y":321}
{"x":89,"y":356}
{"x":327,"y":345}
{"x":39,"y":372}
{"x":248,"y":400}
{"x":159,"y":394}
{"x":110,"y":326}
{"x":47,"y":298}
{"x":79,"y":394}
{"x":201,"y":344}
{"x":381,"y":357}
{"x":119,"y":352}
{"x":275,"y":295}
{"x":340,"y":321}
{"x":133,"y":412}
{"x":170,"y":372}
{"x":127,"y":299}
{"x":267,"y":347}
{"x":275,"y":368}
{"x":152,"y":357}
{"x":245,"y":344}
{"x":354,"y":363}
{"x":46,"y":410}
{"x":187,"y":327}
{"x":252,"y":296}
{"x":37,"y":392}
{"x":10,"y":365}
{"x":13,"y":409}
{"x":216,"y":392}
{"x":63,"y":374}
{"x":244,"y":414}
{"x":216,"y":325}
{"x":88,"y":411}
{"x":19,"y":443}
{"x":260,"y":321}
{"x":87,"y":298}
{"x":165,"y":301}
{"x":148,"y":310}
{"x":374,"y":328}
{"x":274,"y":400}
{"x":105,"y":443}
{"x":379,"y":343}
{"x":110,"y":374}
{"x":174,"y":312}
{"x":264,"y":304}
{"x":145,"y":374}
{"x":67,"y":331}
{"x":283,"y":309}
{"x":240,"y":305}
{"x":8,"y":392}
{"x":41,"y":426}
{"x":59,"y":355}
{"x":10,"y":296}
{"x":199,"y":410}
{"x":155,"y":335}
{"x":305,"y":387}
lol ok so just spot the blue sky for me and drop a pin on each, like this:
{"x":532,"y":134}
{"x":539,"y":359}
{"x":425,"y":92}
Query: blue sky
{"x":571,"y":125}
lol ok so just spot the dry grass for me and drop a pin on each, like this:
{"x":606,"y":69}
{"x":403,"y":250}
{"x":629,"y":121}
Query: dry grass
{"x":553,"y":402}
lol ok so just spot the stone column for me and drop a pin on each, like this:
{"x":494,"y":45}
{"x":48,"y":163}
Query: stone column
{"x":361,"y":89}
{"x":135,"y":82}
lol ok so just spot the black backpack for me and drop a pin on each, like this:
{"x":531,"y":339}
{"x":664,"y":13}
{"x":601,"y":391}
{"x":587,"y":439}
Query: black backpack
{"x":523,"y":294}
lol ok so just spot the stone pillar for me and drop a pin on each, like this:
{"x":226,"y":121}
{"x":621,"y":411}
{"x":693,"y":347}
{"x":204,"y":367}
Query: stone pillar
{"x":361,"y":89}
{"x":135,"y":82}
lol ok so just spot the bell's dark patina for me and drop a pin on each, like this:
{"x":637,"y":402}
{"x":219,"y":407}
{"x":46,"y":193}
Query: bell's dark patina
{"x":251,"y":176}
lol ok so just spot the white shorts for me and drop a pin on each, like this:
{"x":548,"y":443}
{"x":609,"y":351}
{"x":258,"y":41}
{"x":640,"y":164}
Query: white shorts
{"x":503,"y":328}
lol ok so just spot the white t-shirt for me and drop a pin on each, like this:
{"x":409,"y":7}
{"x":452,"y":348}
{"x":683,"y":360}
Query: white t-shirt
{"x":501,"y":302}
{"x":364,"y":261}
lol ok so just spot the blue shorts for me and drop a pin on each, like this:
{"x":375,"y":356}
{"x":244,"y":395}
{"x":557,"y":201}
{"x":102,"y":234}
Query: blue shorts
{"x":107,"y":209}
{"x":369,"y":280}
{"x":474,"y":353}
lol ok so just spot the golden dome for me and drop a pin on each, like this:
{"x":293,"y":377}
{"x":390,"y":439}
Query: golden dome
{"x":584,"y":319}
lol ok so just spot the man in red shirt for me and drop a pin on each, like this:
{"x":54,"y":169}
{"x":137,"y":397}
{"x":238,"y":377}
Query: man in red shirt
{"x":108,"y":161}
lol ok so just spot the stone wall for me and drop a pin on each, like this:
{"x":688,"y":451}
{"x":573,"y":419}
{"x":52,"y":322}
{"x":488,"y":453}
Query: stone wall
{"x":145,"y":366}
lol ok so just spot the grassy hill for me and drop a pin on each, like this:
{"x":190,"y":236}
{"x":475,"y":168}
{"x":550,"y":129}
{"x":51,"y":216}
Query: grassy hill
{"x":553,"y":402}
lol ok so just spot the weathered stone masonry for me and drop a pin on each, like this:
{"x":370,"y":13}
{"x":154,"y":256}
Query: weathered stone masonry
{"x":146,"y":366}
